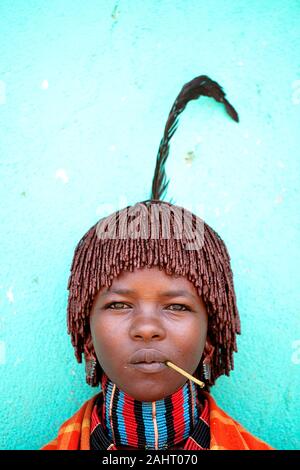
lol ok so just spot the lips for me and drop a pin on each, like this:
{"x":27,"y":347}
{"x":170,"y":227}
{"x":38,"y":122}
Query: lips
{"x":147,"y":356}
{"x":148,"y":361}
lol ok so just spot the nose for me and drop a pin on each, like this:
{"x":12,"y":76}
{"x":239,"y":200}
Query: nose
{"x":147,"y":325}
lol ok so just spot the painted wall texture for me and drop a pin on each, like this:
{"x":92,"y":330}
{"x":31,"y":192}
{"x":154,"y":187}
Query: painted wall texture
{"x":85,"y":90}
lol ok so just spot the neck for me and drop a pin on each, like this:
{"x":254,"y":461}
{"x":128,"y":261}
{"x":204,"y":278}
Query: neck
{"x":160,"y":424}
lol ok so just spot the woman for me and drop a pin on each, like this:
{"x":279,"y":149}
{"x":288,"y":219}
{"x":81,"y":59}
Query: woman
{"x":153,"y":309}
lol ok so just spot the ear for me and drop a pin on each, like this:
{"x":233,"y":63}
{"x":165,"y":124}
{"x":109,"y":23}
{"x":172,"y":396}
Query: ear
{"x":89,"y":351}
{"x":208,"y":351}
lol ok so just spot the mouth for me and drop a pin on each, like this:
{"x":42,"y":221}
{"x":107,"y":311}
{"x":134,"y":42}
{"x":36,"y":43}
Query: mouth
{"x":148,"y":360}
{"x":149,"y":367}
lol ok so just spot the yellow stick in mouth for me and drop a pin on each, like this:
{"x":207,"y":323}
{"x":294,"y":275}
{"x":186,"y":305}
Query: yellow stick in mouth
{"x":186,"y":374}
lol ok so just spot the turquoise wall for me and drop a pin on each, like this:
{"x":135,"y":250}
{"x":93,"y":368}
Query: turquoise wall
{"x":85,"y":90}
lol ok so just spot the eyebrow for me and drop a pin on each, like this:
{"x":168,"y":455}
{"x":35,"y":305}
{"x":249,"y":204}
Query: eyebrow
{"x":169,"y":293}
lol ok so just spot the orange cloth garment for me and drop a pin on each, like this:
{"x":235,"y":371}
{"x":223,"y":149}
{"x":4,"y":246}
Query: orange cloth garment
{"x":225,"y":432}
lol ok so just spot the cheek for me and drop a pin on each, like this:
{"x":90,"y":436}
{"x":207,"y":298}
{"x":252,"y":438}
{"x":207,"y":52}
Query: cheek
{"x":107,"y":334}
{"x":191,"y":341}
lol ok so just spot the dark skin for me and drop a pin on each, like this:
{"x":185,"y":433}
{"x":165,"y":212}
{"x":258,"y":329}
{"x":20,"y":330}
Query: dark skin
{"x":175,"y":325}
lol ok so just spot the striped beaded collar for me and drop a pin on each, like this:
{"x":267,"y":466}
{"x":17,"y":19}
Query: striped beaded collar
{"x":119,"y":421}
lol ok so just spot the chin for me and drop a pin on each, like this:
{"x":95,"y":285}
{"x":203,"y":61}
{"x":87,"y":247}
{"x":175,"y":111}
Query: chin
{"x":148,"y":394}
{"x":148,"y":398}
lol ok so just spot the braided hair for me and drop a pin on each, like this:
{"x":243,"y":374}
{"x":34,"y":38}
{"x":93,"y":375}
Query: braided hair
{"x":157,"y":233}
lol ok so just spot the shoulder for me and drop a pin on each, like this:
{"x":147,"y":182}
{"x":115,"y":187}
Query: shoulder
{"x":229,"y":434}
{"x":74,"y":432}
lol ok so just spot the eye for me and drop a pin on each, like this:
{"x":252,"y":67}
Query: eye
{"x":112,"y":304}
{"x":179,"y":305}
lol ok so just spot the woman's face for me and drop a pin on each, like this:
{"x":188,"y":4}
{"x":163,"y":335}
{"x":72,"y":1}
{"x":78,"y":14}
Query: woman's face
{"x":144,"y":318}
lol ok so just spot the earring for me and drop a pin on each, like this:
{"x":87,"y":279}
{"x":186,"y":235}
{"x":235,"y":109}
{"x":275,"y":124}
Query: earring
{"x":90,"y":369}
{"x":206,"y":371}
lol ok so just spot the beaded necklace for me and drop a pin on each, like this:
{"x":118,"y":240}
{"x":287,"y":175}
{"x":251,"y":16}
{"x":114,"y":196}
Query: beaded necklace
{"x":149,"y":425}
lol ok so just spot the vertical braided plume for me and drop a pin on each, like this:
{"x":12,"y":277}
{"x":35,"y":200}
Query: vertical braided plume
{"x":201,"y":85}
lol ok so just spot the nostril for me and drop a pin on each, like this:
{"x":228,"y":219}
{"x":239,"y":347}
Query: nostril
{"x":144,"y":330}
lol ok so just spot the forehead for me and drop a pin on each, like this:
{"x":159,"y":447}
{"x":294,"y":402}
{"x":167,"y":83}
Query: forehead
{"x":151,"y":280}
